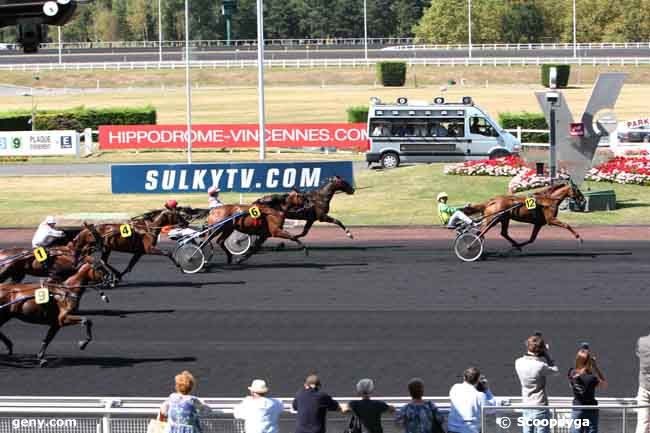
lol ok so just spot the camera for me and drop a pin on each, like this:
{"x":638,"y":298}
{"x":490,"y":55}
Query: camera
{"x":482,"y":384}
{"x":584,"y":345}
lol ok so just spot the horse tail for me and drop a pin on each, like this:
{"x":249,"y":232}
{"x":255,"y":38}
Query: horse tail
{"x":476,"y":208}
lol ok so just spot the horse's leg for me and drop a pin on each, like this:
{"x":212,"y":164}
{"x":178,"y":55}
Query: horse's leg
{"x":132,"y":262}
{"x":46,"y":342}
{"x":221,"y":241}
{"x":556,"y":222}
{"x":505,"y":223}
{"x":306,"y":229}
{"x":533,"y":235}
{"x":279,"y":233}
{"x":7,"y":342}
{"x":329,"y":219}
{"x":105,"y":255}
{"x":253,"y":248}
{"x":66,"y":320}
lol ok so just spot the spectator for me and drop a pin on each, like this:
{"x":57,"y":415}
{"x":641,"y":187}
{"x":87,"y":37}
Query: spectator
{"x":368,"y":411}
{"x":181,"y":409}
{"x":532,"y":369}
{"x":437,"y":130}
{"x":584,"y":380}
{"x":312,"y":405}
{"x":260,"y":413}
{"x":643,"y":397}
{"x":467,"y":398}
{"x":419,"y":416}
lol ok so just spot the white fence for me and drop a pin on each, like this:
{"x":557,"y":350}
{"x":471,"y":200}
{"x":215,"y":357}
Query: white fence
{"x":326,"y":63}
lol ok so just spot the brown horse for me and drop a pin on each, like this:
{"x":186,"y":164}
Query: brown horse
{"x":317,"y":205}
{"x":268,"y":224}
{"x":16,"y":263}
{"x":139,"y":236}
{"x":20,"y":301}
{"x":541,"y":211}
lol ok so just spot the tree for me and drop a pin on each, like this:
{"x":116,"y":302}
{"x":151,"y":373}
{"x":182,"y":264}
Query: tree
{"x":633,"y":25}
{"x":442,"y":23}
{"x":523,"y":23}
{"x":138,"y":19}
{"x":244,"y":22}
{"x":597,"y":21}
{"x":486,"y":21}
{"x":407,"y":13}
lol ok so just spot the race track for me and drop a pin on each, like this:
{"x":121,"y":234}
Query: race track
{"x":388,"y":309}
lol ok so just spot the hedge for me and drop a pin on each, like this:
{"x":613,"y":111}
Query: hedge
{"x":563,"y":73}
{"x":358,"y":114}
{"x":78,"y":118}
{"x":391,"y":74}
{"x":526,"y":121}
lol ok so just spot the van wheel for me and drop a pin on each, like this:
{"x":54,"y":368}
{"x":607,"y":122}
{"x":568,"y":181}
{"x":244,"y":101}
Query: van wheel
{"x":389,"y":160}
{"x":499,"y":153}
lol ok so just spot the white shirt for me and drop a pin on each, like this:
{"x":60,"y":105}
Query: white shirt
{"x":465,"y":411}
{"x":532,"y":371}
{"x":45,"y":235}
{"x":214,"y":202}
{"x":261,"y":415}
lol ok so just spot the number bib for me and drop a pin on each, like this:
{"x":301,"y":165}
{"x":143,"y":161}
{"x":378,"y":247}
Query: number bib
{"x":42,"y":296}
{"x":255,"y":212}
{"x":40,"y":254}
{"x":125,"y":230}
{"x":530,"y":203}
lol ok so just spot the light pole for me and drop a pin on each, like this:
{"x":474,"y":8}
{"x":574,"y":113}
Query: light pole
{"x":60,"y":47}
{"x":469,"y":27}
{"x":188,"y":87}
{"x":575,"y":46}
{"x":160,"y":31}
{"x":365,"y":29}
{"x":260,"y":77}
{"x":36,"y":78}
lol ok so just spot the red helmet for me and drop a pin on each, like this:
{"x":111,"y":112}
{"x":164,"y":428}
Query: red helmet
{"x":171,"y":204}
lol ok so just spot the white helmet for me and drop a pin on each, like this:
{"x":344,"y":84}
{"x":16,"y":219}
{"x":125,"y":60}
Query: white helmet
{"x":50,"y":220}
{"x":213,"y":189}
{"x":442,"y":195}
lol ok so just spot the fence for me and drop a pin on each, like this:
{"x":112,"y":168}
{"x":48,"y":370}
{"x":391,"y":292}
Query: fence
{"x":131,"y":415}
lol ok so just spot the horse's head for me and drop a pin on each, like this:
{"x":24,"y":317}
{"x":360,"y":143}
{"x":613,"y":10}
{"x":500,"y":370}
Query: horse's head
{"x":341,"y":184}
{"x":170,"y":217}
{"x":576,"y":195}
{"x":294,"y":200}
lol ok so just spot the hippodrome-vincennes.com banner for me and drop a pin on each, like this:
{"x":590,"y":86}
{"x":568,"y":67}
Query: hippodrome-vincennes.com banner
{"x":338,"y":135}
{"x":235,"y":177}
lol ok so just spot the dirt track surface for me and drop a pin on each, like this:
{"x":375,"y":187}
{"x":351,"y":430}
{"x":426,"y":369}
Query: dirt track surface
{"x":391,"y":304}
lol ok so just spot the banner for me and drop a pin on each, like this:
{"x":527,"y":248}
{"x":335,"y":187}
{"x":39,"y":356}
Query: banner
{"x":37,"y":143}
{"x":235,"y":177}
{"x":339,"y":135}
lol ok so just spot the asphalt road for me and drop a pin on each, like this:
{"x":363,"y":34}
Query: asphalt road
{"x":390,"y":310}
{"x":151,"y":55}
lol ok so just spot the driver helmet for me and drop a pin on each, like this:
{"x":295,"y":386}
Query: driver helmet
{"x":50,"y":220}
{"x":171,"y":204}
{"x":441,"y":196}
{"x":213,"y":190}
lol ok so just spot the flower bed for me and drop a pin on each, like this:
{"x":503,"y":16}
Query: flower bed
{"x":506,"y":166}
{"x":528,"y":179}
{"x":625,"y":170}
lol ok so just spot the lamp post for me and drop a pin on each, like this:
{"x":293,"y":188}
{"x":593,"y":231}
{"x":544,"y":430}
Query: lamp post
{"x":469,"y":27}
{"x":260,"y":77}
{"x":33,"y":118}
{"x":188,"y":86}
{"x":575,"y":45}
{"x":60,"y":47}
{"x":365,"y":29}
{"x":160,"y":38}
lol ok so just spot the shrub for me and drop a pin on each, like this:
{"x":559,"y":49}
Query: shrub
{"x":526,"y":121}
{"x":15,"y":121}
{"x":563,"y":72}
{"x":391,"y":74}
{"x":358,"y":114}
{"x":81,"y":118}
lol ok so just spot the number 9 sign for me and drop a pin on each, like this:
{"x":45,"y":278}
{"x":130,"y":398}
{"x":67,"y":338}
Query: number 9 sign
{"x":255,"y":212}
{"x":42,"y":296}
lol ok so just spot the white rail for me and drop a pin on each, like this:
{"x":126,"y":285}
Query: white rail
{"x":327,"y":63}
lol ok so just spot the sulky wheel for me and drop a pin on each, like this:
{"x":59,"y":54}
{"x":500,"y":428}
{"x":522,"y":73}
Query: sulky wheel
{"x":468,"y":246}
{"x":238,"y":243}
{"x":190,"y":258}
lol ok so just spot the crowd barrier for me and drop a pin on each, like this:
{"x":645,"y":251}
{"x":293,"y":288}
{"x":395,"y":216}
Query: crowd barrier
{"x":132,"y":415}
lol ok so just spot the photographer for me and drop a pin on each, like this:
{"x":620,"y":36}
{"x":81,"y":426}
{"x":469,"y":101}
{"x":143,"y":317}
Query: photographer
{"x":532,"y":369}
{"x":467,"y":398}
{"x":584,"y":379}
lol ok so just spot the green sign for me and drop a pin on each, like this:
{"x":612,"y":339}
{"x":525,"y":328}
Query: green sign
{"x":17,"y":142}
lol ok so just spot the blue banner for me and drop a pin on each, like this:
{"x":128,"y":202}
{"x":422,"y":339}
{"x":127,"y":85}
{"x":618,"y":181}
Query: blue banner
{"x":236,"y":177}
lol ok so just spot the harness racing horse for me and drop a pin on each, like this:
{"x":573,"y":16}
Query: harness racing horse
{"x":540,"y":212}
{"x":268,"y":223}
{"x":317,"y":205}
{"x":139,"y":237}
{"x":53,"y":308}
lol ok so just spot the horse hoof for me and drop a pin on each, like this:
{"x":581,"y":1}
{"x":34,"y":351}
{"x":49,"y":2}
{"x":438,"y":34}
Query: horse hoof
{"x":83,"y":344}
{"x":348,"y":234}
{"x":42,"y":363}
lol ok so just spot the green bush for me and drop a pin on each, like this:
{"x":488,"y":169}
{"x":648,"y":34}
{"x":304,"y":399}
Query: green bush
{"x":391,"y":74}
{"x":526,"y":121}
{"x":81,"y":118}
{"x":15,"y":121}
{"x":563,"y":73}
{"x":358,"y":114}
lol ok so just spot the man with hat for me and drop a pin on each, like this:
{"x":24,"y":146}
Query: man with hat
{"x":46,"y":234}
{"x":213,"y":197}
{"x":312,"y":405}
{"x":171,"y":204}
{"x":260,"y":413}
{"x":450,"y":215}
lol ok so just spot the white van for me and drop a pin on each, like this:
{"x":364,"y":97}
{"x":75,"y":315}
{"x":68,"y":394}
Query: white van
{"x":430,"y":132}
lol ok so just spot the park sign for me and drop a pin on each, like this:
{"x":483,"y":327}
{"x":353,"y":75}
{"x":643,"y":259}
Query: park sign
{"x":352,"y":136}
{"x":230,"y":177}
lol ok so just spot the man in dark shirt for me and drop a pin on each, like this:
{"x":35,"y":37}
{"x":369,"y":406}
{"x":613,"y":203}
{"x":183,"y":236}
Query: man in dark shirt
{"x":312,"y":405}
{"x":369,"y":411}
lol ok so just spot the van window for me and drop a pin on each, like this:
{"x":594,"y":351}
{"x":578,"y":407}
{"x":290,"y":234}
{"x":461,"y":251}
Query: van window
{"x":453,"y":127}
{"x":480,"y":126}
{"x":430,"y":127}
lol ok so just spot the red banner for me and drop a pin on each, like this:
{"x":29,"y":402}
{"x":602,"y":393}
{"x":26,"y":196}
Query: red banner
{"x":339,"y":135}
